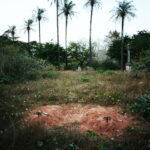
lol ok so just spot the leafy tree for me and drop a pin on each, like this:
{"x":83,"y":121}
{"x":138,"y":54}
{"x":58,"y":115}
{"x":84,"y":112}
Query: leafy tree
{"x":50,"y":52}
{"x":140,"y":43}
{"x":77,"y":55}
{"x":112,"y":35}
{"x":91,"y":4}
{"x":114,"y":49}
{"x":139,"y":47}
{"x":28,"y":27}
{"x":122,"y":11}
{"x":39,"y":15}
{"x":67,"y":10}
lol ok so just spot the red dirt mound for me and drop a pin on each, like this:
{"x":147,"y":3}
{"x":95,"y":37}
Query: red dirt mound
{"x":104,"y":120}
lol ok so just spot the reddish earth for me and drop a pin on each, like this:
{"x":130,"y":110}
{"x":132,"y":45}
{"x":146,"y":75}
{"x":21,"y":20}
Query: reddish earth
{"x":104,"y":120}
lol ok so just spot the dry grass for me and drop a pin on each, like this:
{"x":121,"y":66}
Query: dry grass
{"x":117,"y":89}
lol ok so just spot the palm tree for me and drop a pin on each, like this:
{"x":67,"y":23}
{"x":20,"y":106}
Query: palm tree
{"x":67,"y":10}
{"x":28,"y":27}
{"x":121,"y":12}
{"x":57,"y":2}
{"x":40,"y":16}
{"x":11,"y":31}
{"x":92,"y":4}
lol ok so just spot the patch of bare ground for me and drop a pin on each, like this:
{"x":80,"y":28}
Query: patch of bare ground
{"x":104,"y":120}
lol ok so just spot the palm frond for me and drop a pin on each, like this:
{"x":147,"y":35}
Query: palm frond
{"x":93,"y":3}
{"x":39,"y":14}
{"x":67,"y":8}
{"x":124,"y":9}
{"x":28,"y":25}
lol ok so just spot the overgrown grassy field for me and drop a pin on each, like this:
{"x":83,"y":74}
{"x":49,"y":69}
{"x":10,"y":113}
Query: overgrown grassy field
{"x":89,"y":87}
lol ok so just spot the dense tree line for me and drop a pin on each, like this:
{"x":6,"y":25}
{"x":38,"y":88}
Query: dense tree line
{"x":124,"y":10}
{"x":139,"y":48}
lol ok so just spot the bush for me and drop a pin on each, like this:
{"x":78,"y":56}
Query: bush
{"x":50,"y":68}
{"x":85,"y":79}
{"x":15,"y":66}
{"x":100,"y":71}
{"x":143,"y":64}
{"x":109,"y":73}
{"x":142,"y":106}
{"x":34,"y":76}
{"x":50,"y":74}
{"x":105,"y":65}
{"x":88,"y":68}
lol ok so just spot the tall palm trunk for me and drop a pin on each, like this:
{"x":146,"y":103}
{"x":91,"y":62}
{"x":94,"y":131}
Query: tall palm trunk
{"x":29,"y":49}
{"x":122,"y":44}
{"x":39,"y":31}
{"x":13,"y":37}
{"x":66,"y":40}
{"x":28,"y":36}
{"x":57,"y":14}
{"x":90,"y":37}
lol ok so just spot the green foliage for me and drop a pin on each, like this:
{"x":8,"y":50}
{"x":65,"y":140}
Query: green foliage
{"x":105,"y":65}
{"x":108,"y":73}
{"x":72,"y":147}
{"x":91,"y":133}
{"x":50,"y":68}
{"x":100,"y":71}
{"x":144,"y":63}
{"x":77,"y":55}
{"x":85,"y":79}
{"x":140,"y":44}
{"x":114,"y":50}
{"x":34,"y":75}
{"x":142,"y":106}
{"x":139,"y":48}
{"x":51,"y":75}
{"x":14,"y":66}
{"x":50,"y":52}
{"x":88,"y":68}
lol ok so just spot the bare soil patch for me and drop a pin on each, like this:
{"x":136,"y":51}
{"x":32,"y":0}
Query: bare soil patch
{"x":104,"y":120}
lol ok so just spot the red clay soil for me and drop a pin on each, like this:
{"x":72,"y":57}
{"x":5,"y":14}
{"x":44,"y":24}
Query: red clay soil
{"x":104,"y":120}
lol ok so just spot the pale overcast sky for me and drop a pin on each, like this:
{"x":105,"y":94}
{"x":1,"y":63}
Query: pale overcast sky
{"x":15,"y":12}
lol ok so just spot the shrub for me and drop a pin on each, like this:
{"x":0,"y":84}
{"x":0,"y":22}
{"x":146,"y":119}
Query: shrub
{"x":142,"y":106}
{"x":88,"y":68}
{"x":143,"y":63}
{"x":15,"y":66}
{"x":34,"y":76}
{"x":50,"y":68}
{"x":50,"y":74}
{"x":105,"y":65}
{"x":100,"y":71}
{"x":85,"y":79}
{"x":109,"y":73}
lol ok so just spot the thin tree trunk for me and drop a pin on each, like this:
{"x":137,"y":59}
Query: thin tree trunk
{"x":66,"y":40}
{"x":13,"y":37}
{"x":57,"y":14}
{"x":28,"y":36}
{"x":29,"y":42}
{"x":122,"y":44}
{"x":39,"y":32}
{"x":90,"y":37}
